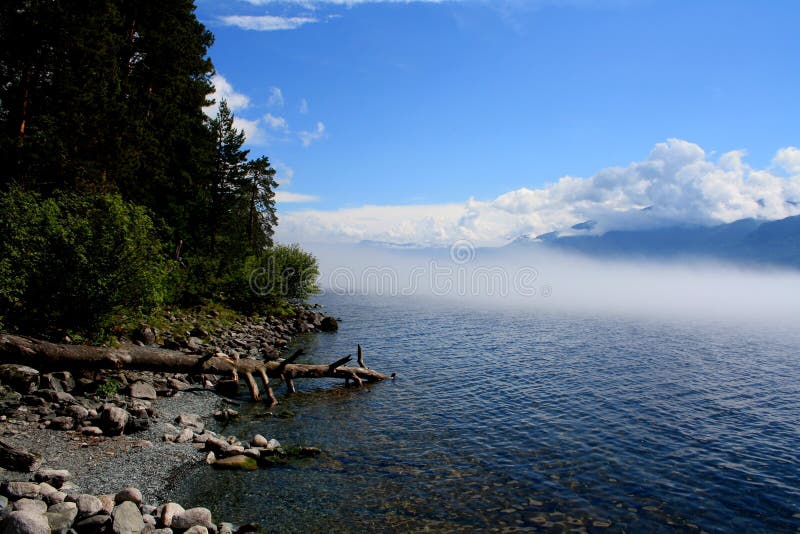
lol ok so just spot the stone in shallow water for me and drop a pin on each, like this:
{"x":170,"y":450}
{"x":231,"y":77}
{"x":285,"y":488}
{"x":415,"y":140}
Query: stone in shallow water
{"x":239,"y":461}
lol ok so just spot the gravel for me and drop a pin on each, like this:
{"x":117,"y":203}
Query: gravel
{"x":106,"y":465}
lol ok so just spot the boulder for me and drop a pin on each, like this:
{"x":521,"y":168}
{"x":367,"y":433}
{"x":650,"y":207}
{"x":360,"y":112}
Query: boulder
{"x":55,"y":497}
{"x":197,"y":529}
{"x":127,"y":519}
{"x":169,"y":511}
{"x":30,"y":505}
{"x":143,"y":390}
{"x":60,"y":381}
{"x":329,"y":324}
{"x":88,"y":505}
{"x":61,"y":516}
{"x":96,"y":523}
{"x":185,"y":435}
{"x":77,"y":412}
{"x":52,"y":477}
{"x":113,"y":420}
{"x":191,"y":517}
{"x":190,"y":419}
{"x":20,"y":490}
{"x":108,"y":503}
{"x":260,"y":441}
{"x":62,"y":423}
{"x":25,"y":523}
{"x":20,"y":378}
{"x":145,"y":335}
{"x":129,"y":494}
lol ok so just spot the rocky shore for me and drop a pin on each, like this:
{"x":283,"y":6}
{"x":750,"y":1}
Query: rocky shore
{"x":124,"y":429}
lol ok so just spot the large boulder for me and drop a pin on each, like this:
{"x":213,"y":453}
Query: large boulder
{"x":129,"y":494}
{"x":25,"y":523}
{"x":143,"y":390}
{"x":191,"y":517}
{"x":20,"y":490}
{"x":88,"y":505}
{"x":127,"y":519}
{"x":20,"y":378}
{"x":61,"y":516}
{"x":60,"y":381}
{"x":54,"y":477}
{"x":329,"y":324}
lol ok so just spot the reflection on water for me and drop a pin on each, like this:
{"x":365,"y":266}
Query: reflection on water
{"x":525,"y":420}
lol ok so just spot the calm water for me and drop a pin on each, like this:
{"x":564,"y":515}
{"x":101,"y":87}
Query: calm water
{"x":526,"y":420}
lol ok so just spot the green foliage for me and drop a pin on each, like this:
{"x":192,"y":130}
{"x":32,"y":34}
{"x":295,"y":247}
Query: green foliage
{"x":69,"y":261}
{"x":109,"y":388}
{"x":283,"y":272}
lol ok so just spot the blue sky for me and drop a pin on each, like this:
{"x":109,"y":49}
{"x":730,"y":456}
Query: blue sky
{"x":433,"y":121}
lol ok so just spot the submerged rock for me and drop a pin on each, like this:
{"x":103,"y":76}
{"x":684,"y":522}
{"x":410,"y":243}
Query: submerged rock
{"x":240,"y":461}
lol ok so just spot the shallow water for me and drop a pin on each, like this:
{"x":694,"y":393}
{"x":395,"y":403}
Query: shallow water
{"x":526,"y":419}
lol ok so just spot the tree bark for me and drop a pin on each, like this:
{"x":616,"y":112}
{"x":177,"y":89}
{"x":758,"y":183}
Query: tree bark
{"x":43,"y":354}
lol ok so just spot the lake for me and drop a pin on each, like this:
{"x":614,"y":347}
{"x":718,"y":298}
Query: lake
{"x":522,"y":419}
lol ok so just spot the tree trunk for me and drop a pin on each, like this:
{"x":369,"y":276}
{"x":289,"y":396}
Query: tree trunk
{"x":42,"y":354}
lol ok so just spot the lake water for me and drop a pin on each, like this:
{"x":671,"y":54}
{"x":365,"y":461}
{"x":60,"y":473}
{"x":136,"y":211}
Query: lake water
{"x":525,"y":419}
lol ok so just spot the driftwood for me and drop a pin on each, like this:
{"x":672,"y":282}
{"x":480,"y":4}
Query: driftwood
{"x":18,"y":459}
{"x":42,"y":354}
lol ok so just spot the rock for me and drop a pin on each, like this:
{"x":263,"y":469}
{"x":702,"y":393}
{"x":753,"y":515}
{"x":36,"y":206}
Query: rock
{"x":191,"y":517}
{"x":197,"y":529}
{"x":30,"y":505}
{"x":96,"y":523}
{"x":190,"y":419}
{"x":185,"y":435}
{"x":62,"y":423}
{"x":108,"y":503}
{"x":177,"y":385}
{"x":65,"y":398}
{"x":60,"y":381}
{"x":225,"y":528}
{"x":88,"y":505}
{"x":55,"y":497}
{"x":20,"y":378}
{"x":53,"y":477}
{"x":195,"y":343}
{"x":113,"y":420}
{"x":239,"y":461}
{"x":25,"y":523}
{"x":273,"y":444}
{"x":210,"y":458}
{"x":149,"y":520}
{"x":329,"y":324}
{"x":129,"y":494}
{"x":20,"y":490}
{"x":146,"y":335}
{"x":148,"y":509}
{"x":127,"y":519}
{"x":77,"y":412}
{"x":168,"y":512}
{"x":45,"y":489}
{"x":137,"y":424}
{"x":61,"y":516}
{"x":260,"y":441}
{"x":143,"y":390}
{"x":91,"y":431}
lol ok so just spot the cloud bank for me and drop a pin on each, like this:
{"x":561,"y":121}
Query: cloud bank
{"x":677,"y":183}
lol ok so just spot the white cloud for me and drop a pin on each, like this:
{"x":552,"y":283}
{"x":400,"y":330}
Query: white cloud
{"x":312,"y":3}
{"x":275,"y":97}
{"x":252,"y":130}
{"x":677,"y":182}
{"x":308,"y":137}
{"x":303,"y":106}
{"x":275,"y":122}
{"x":286,"y":197}
{"x":266,"y":23}
{"x":284,"y":175}
{"x":223,"y":90}
{"x":788,"y":158}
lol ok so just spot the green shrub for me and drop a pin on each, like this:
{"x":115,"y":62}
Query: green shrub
{"x":70,"y":261}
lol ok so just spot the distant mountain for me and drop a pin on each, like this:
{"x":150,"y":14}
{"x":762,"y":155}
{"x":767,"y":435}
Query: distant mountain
{"x":748,"y":240}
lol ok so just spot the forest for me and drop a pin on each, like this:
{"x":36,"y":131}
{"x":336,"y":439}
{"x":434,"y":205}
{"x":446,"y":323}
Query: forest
{"x":119,"y":196}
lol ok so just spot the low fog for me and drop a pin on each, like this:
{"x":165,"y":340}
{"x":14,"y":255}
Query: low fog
{"x":543,"y":279}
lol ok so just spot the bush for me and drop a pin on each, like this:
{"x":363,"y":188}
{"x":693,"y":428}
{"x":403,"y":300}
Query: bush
{"x":70,"y":261}
{"x":282,"y":273}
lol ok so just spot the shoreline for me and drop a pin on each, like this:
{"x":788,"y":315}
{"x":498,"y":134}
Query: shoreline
{"x":150,"y":459}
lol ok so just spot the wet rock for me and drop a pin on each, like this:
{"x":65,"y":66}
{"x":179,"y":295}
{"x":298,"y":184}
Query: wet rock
{"x":239,"y":461}
{"x":129,"y":494}
{"x":53,"y":477}
{"x":191,"y":517}
{"x":25,"y":523}
{"x":260,"y":441}
{"x":61,"y":516}
{"x":30,"y":505}
{"x":113,"y":420}
{"x":88,"y":505}
{"x":20,"y":378}
{"x":329,"y":324}
{"x":20,"y":490}
{"x":143,"y":390}
{"x":127,"y":519}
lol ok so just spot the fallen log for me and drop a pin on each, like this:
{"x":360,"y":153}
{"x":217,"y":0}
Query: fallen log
{"x":46,"y":355}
